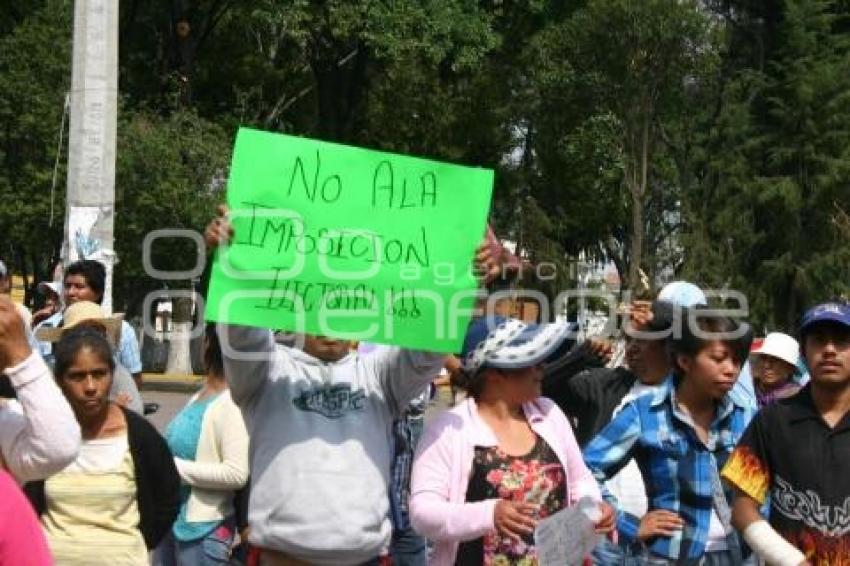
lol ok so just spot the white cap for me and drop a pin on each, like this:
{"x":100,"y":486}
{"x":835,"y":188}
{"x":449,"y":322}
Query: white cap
{"x":53,"y":286}
{"x":682,"y":294}
{"x":780,"y":346}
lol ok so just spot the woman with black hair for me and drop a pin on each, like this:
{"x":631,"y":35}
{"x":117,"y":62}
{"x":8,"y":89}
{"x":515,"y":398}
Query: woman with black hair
{"x":680,"y":436}
{"x":120,"y":496}
{"x":210,"y":447}
{"x":488,"y":470}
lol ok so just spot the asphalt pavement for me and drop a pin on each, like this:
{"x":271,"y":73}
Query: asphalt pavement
{"x":170,"y":402}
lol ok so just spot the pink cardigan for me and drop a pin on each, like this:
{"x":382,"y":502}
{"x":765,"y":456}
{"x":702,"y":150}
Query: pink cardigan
{"x":438,"y":508}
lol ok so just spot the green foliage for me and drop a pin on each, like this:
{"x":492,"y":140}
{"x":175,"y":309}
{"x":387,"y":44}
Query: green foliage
{"x":170,"y":169}
{"x":765,"y":222}
{"x":703,"y":139}
{"x":34,"y":77}
{"x":170,"y":174}
{"x":310,"y":67}
{"x":610,"y":77}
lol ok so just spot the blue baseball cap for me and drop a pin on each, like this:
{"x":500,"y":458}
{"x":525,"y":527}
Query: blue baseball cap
{"x":826,"y":312}
{"x":509,"y":343}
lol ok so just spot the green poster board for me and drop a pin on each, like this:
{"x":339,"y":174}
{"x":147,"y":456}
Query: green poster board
{"x":351,"y":243}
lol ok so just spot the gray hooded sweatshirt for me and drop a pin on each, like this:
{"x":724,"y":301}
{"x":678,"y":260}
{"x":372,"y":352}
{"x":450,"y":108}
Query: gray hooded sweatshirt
{"x":321,"y":443}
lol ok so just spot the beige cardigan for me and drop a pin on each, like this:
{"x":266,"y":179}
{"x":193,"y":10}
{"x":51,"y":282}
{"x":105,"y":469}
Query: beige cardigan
{"x":221,"y":462}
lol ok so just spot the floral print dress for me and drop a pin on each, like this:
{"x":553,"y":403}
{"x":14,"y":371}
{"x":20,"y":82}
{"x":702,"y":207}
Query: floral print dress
{"x":537,"y":477}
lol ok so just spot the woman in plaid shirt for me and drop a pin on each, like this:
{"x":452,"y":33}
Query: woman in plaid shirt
{"x":680,"y":436}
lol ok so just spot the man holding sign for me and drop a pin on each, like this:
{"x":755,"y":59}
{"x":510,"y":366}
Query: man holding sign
{"x":320,"y":417}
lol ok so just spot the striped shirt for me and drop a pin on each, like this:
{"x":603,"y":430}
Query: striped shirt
{"x":92,"y":516}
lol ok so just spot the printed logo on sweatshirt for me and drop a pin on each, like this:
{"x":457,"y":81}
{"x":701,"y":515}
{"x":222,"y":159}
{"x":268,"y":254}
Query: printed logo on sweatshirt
{"x":331,"y":401}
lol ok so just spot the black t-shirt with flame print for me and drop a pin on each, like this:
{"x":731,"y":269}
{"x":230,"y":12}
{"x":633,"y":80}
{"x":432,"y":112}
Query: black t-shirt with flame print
{"x":791,"y":456}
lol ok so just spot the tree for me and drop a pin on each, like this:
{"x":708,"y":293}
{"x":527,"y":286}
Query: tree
{"x":170,"y":170}
{"x":764,"y":219}
{"x":34,"y":77}
{"x":701,"y":138}
{"x":604,"y":100}
{"x":167,"y":37}
{"x":301,"y":66}
{"x":169,"y":175}
{"x":12,"y":14}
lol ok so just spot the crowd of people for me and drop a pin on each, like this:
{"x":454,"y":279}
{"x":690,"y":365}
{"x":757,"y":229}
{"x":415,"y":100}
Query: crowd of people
{"x":706,"y":447}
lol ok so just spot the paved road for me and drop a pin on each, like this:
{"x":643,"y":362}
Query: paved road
{"x":169,"y":404}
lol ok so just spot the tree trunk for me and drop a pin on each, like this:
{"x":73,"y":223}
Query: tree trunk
{"x":340,"y":80}
{"x":179,"y":355}
{"x":636,"y":254}
{"x":637,"y":180}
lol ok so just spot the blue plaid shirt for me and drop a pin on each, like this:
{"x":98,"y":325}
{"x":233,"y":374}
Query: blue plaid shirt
{"x":677,"y":467}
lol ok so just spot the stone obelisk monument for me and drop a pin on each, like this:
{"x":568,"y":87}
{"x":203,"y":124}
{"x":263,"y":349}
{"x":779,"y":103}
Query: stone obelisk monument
{"x":90,"y":211}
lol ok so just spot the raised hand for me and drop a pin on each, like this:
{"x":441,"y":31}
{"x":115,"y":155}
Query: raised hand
{"x":602,"y":348}
{"x":14,"y":347}
{"x":218,"y":231}
{"x":487,"y":266}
